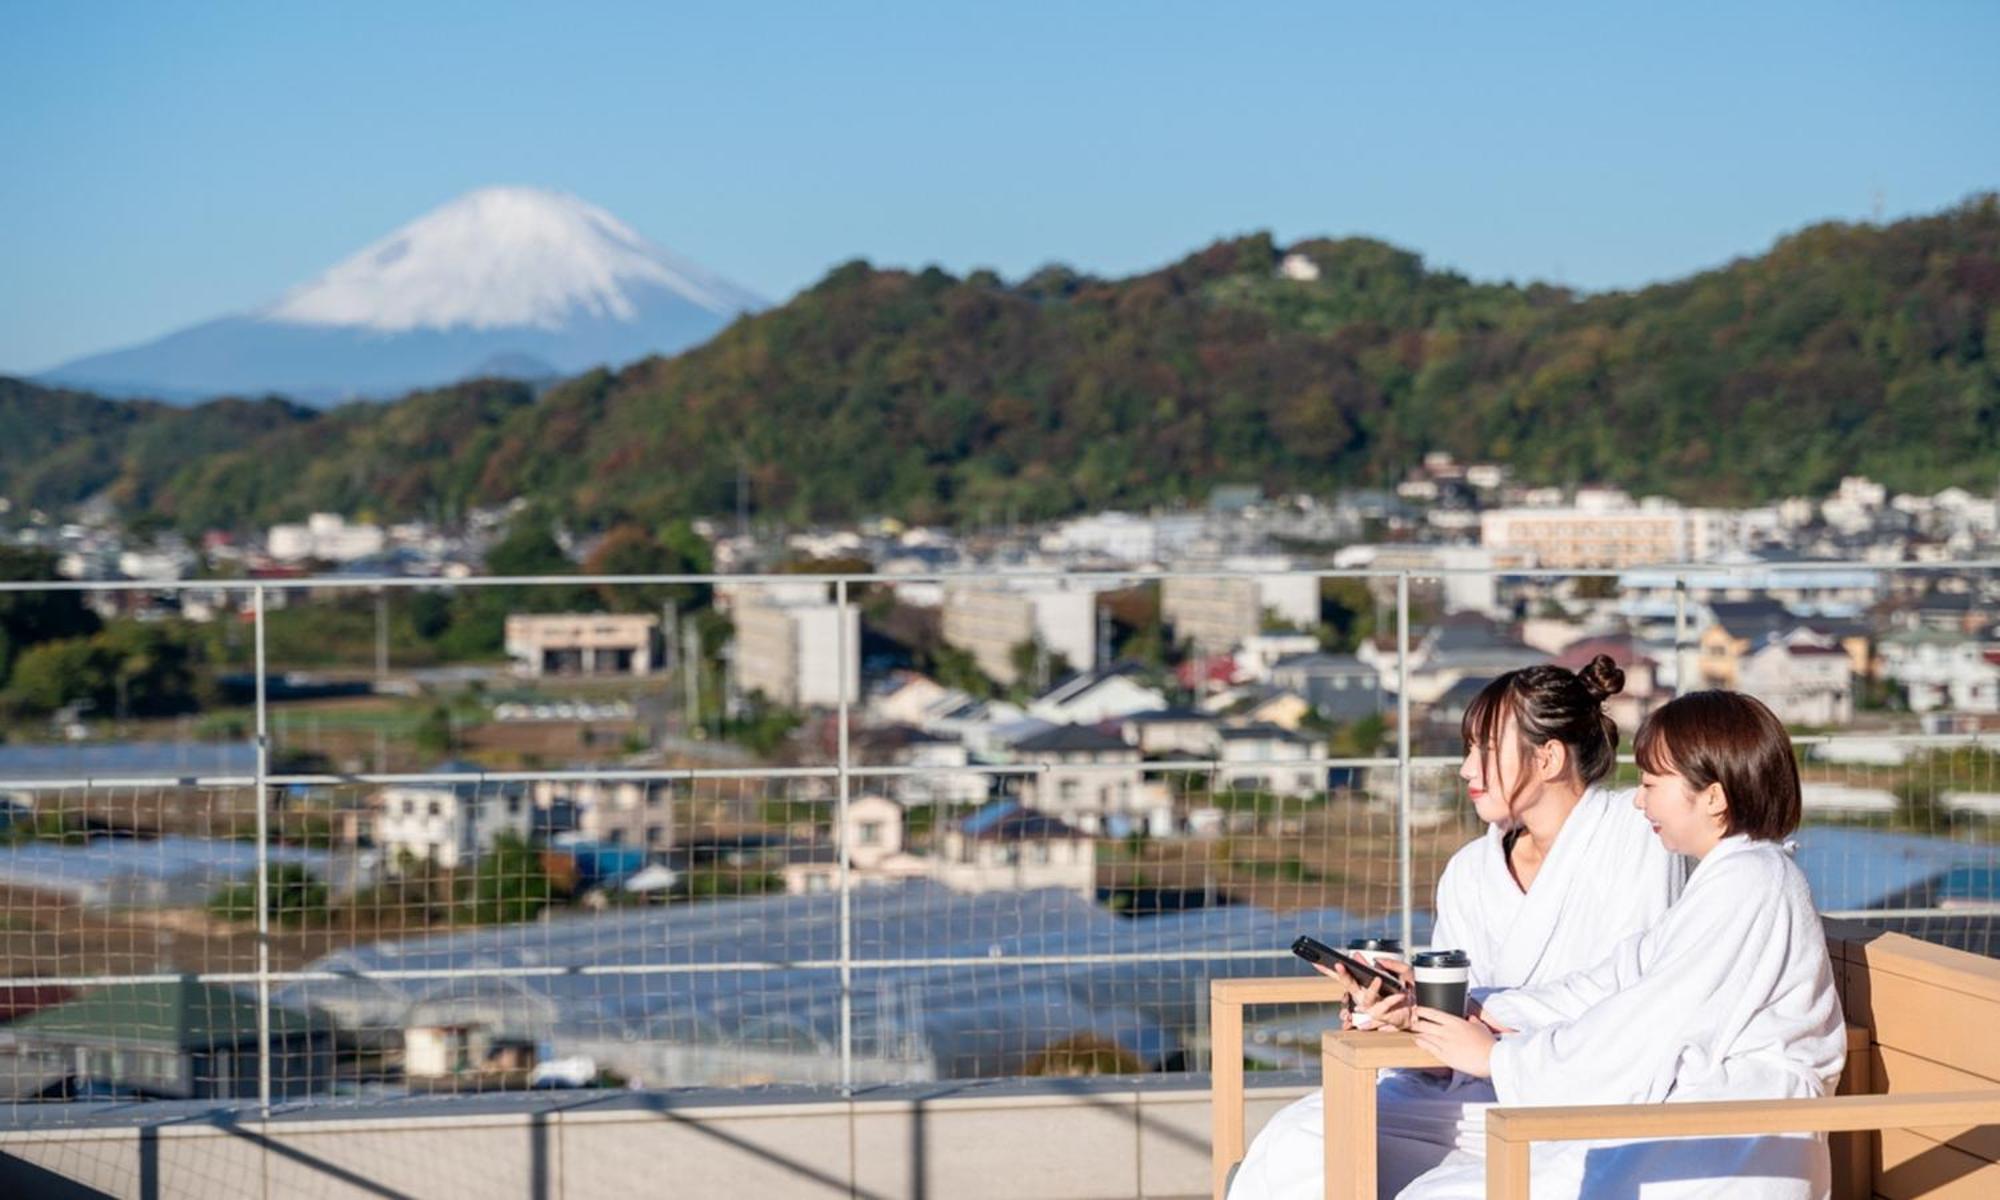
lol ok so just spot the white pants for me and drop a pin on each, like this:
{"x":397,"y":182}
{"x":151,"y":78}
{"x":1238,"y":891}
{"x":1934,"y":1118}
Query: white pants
{"x":1420,"y":1120}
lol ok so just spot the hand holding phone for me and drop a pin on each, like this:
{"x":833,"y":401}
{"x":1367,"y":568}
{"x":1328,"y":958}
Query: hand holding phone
{"x":1362,"y":973}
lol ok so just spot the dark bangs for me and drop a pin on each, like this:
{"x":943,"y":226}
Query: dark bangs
{"x":1480,"y":726}
{"x":1651,"y":748}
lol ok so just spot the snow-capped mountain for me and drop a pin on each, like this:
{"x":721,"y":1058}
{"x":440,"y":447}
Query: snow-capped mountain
{"x":536,"y":282}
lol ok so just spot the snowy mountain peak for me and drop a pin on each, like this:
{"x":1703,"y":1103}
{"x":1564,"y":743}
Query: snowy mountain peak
{"x":504,"y":257}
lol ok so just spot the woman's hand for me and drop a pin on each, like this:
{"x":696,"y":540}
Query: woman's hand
{"x":1367,"y":1007}
{"x":1477,"y":1012}
{"x":1464,"y":1046}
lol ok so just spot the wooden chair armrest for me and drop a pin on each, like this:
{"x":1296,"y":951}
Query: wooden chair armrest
{"x":1226,"y":1001}
{"x":1349,"y":1063}
{"x":1512,"y":1132}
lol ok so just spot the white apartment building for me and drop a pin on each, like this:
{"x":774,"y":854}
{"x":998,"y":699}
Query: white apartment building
{"x":1804,"y":680}
{"x":447,"y":825}
{"x":625,"y":812}
{"x":1217,"y":613}
{"x":581,"y":643}
{"x":325,"y":536}
{"x":988,"y":620}
{"x":1942,"y":671}
{"x":793,"y":653}
{"x":1580,"y":538}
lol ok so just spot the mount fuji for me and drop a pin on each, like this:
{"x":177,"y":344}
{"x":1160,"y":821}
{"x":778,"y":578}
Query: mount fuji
{"x":506,"y":280}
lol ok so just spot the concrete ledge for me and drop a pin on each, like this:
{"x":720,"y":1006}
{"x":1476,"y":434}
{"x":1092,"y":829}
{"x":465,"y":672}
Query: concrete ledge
{"x":1119,"y":1138}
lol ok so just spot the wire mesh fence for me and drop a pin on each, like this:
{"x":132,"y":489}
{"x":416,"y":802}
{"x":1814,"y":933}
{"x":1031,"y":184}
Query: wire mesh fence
{"x":331,"y":899}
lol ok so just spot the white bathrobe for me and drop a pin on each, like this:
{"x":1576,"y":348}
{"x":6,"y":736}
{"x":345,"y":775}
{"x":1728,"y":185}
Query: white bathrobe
{"x":1729,"y":997}
{"x":1606,"y":878}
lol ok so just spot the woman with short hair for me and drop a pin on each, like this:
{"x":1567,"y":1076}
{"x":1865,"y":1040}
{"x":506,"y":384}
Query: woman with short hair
{"x":1730,"y":997}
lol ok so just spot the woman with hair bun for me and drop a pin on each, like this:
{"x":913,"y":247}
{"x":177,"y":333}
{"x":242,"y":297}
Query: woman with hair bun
{"x":1730,"y":996}
{"x":1566,"y":869}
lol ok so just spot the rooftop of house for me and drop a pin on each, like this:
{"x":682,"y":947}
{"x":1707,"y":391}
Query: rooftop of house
{"x":1071,"y":739}
{"x":182,"y":1015}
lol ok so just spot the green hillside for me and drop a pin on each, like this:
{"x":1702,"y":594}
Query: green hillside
{"x":1844,"y":348}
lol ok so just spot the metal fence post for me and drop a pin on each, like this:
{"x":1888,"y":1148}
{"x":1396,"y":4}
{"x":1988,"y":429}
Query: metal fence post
{"x":1405,"y":866}
{"x":842,"y":648}
{"x":263,"y":866}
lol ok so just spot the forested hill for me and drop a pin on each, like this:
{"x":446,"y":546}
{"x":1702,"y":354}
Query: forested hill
{"x":1844,"y":348}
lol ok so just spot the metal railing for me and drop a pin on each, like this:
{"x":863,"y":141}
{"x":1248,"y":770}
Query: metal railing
{"x":851,"y":959}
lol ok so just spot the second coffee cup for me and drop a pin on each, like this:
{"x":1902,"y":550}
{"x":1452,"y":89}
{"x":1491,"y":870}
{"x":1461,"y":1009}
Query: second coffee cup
{"x":1442,"y":976}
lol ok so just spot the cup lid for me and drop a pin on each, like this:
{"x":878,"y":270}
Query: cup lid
{"x":1441,"y":958}
{"x":1379,"y":945}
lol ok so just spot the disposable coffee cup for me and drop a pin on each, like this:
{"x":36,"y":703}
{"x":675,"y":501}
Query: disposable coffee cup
{"x":1441,"y":979}
{"x":1370,"y":950}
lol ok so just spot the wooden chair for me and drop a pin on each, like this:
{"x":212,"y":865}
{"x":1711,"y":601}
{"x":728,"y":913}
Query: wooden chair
{"x":1918,"y":1112}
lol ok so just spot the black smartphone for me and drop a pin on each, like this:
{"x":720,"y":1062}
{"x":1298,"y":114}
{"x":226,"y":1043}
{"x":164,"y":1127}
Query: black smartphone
{"x":1315,"y":951}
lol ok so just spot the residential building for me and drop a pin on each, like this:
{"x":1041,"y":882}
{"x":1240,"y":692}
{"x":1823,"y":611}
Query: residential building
{"x":991,"y":621}
{"x":326,"y":537}
{"x":1463,"y":645}
{"x":618,"y":812}
{"x":1261,"y":757}
{"x":1216,"y":613}
{"x":1258,"y":653}
{"x":1093,"y":698}
{"x":1942,"y":671}
{"x":1736,"y":626}
{"x":1340,"y":687}
{"x":1590,"y":538}
{"x":1008,"y":847}
{"x":798,"y":655}
{"x":448,"y":824}
{"x":941,"y":762}
{"x":180,"y":1040}
{"x":1183,"y":733}
{"x":875,"y":852}
{"x":1090,"y":776}
{"x":582,"y":643}
{"x":1803,"y":678}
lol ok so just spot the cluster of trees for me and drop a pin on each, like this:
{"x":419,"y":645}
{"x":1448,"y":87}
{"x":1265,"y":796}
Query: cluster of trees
{"x":55,"y":652}
{"x":427,"y":626}
{"x":1872,"y":348}
{"x":506,"y":885}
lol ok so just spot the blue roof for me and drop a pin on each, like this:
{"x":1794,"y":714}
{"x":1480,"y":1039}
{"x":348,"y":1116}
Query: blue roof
{"x":990,"y":814}
{"x":103,"y":760}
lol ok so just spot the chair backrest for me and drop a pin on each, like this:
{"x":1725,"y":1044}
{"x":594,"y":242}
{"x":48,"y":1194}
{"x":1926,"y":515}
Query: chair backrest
{"x":1934,"y":1019}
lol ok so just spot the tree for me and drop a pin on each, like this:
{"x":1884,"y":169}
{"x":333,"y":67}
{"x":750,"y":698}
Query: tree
{"x":1346,"y":613}
{"x":631,"y":549}
{"x":296,"y":896}
{"x":53,"y":674}
{"x":954,"y":667}
{"x":507,"y":885}
{"x":28,"y":619}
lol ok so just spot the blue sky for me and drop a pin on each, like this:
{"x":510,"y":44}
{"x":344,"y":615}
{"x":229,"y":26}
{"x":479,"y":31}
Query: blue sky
{"x":167,"y":163}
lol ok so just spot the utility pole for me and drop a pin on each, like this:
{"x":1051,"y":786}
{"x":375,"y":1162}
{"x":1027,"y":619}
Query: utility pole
{"x":381,"y":634}
{"x":690,"y":661}
{"x":670,"y":623}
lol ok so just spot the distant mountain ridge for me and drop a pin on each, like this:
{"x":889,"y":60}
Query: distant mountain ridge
{"x":498,"y":275}
{"x":1842,"y":349}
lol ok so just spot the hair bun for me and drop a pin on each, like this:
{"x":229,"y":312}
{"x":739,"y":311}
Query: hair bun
{"x":1601,"y":678}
